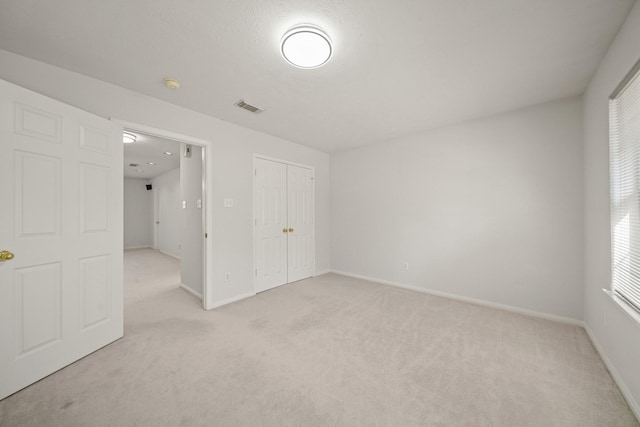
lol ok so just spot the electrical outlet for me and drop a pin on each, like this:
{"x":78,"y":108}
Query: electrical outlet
{"x":405,"y":265}
{"x":227,"y":276}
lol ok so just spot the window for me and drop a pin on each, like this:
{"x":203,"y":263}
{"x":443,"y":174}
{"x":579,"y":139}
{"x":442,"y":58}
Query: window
{"x":624,"y":157}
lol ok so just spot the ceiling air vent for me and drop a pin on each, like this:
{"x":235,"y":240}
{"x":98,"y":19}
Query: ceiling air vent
{"x":133,"y":165}
{"x":243,"y":104}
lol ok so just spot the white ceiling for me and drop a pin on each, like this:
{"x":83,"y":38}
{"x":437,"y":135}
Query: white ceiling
{"x":150,"y":149}
{"x":398,"y":67}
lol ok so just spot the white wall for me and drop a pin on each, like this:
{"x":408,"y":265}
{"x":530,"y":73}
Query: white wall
{"x":489,"y":210}
{"x":618,"y":337}
{"x":192,"y":233}
{"x":167,"y":187}
{"x":137,"y":214}
{"x":232,"y":148}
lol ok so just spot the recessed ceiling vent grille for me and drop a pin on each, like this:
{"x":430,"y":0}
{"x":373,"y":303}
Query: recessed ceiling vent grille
{"x":243,"y":104}
{"x":133,"y":165}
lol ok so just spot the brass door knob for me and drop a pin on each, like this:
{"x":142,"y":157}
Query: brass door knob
{"x":291,"y":230}
{"x":284,"y":230}
{"x":6,"y":256}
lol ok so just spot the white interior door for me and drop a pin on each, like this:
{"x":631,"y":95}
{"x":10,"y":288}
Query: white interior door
{"x":300,"y":216}
{"x":61,"y":217}
{"x":271,"y":224}
{"x":284,"y":203}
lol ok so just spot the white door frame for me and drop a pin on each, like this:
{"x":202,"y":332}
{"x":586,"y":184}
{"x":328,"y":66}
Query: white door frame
{"x":156,"y":218}
{"x":313,"y":235}
{"x":207,"y":194}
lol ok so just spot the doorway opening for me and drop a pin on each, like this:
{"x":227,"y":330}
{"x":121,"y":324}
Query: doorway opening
{"x":165,"y":208}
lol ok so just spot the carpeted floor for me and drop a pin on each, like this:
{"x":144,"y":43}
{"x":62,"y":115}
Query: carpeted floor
{"x":328,"y":351}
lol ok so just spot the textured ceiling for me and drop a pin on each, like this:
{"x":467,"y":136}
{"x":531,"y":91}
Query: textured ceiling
{"x":150,"y":149}
{"x":398,"y":67}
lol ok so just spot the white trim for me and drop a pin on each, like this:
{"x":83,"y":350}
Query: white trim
{"x":456,"y":297}
{"x":624,"y":306}
{"x":633,"y":404}
{"x":320,"y":273}
{"x":162,"y":133}
{"x":220,"y":303}
{"x":191,"y":291}
{"x":286,"y":162}
{"x":207,"y":195}
{"x":168,"y":254}
{"x":128,"y":248}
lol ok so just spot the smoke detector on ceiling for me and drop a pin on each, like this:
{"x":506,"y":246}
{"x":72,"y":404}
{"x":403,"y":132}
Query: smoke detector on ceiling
{"x":171,"y":83}
{"x":249,"y":107}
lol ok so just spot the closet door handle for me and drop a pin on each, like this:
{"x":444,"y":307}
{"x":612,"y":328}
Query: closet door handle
{"x":284,"y":230}
{"x":291,"y":230}
{"x":6,"y":256}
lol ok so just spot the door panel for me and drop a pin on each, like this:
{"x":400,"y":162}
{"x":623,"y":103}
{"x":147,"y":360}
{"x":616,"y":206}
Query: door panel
{"x":94,"y":139}
{"x":94,"y":201}
{"x":36,"y":123}
{"x":301,"y":221}
{"x":95,"y":283}
{"x":37,"y":190}
{"x":271,"y":217}
{"x":37,"y":305}
{"x":61,"y":215}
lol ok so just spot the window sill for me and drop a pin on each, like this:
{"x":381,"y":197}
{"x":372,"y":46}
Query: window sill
{"x":630,"y":311}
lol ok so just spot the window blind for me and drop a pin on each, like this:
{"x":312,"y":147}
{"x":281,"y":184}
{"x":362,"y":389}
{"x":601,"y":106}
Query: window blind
{"x":624,"y":157}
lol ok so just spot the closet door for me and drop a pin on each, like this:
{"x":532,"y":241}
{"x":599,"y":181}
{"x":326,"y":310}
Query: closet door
{"x":284,"y":222}
{"x":300,"y":215}
{"x":270,"y":224}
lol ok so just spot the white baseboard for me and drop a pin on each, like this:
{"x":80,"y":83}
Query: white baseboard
{"x":128,"y":248}
{"x":220,"y":303}
{"x":168,"y":254}
{"x":320,"y":273}
{"x":633,"y":404}
{"x":191,"y":291}
{"x":456,"y":297}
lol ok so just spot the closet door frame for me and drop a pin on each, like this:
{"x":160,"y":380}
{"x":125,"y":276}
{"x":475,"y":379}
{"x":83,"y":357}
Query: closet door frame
{"x":313,"y":198}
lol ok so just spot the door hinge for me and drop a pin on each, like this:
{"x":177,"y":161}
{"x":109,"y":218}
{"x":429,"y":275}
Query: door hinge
{"x":205,"y":235}
{"x":255,"y":172}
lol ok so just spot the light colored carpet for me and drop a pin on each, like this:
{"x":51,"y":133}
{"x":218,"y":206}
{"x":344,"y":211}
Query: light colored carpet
{"x":328,"y":351}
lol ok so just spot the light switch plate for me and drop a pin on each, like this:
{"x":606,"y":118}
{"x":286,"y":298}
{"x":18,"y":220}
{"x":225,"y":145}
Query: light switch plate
{"x":199,"y":203}
{"x":184,"y":204}
{"x":228,"y":203}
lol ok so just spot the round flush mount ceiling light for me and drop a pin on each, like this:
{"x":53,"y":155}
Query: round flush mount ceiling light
{"x":128,"y":138}
{"x":306,"y":46}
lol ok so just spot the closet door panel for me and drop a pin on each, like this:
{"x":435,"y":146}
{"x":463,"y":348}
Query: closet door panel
{"x":300,"y":209}
{"x":270,"y":222}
